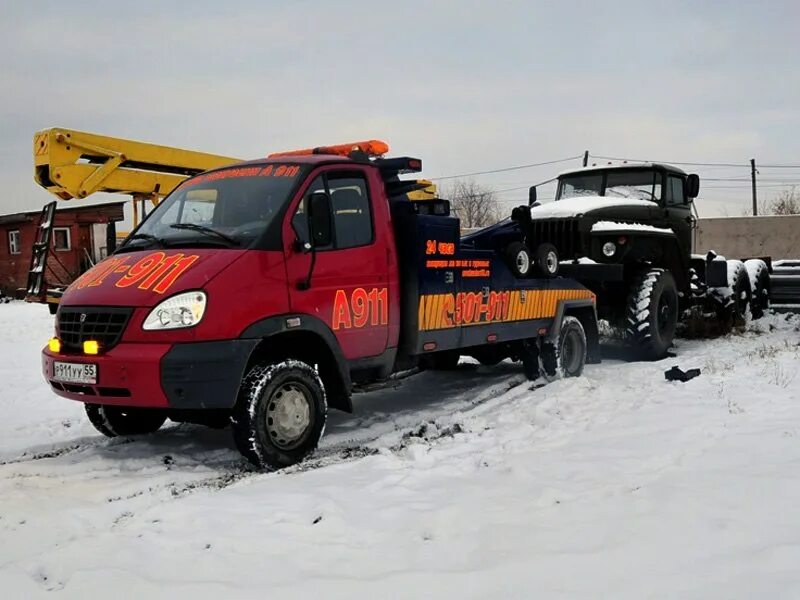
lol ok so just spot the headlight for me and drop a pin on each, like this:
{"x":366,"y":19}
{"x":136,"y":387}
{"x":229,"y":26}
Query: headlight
{"x":609,"y":248}
{"x":182,"y":310}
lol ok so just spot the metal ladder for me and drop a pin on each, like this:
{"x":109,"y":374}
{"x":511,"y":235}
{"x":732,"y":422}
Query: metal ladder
{"x":36,"y":290}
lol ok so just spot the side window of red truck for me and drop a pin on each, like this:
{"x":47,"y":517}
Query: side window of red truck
{"x":352,"y":217}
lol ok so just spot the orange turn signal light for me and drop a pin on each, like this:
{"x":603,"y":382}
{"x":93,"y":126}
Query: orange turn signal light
{"x":91,"y":347}
{"x":54,"y":345}
{"x":368,"y":147}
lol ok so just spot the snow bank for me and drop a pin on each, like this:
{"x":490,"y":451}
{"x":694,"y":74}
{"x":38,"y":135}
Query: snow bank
{"x":449,"y":485}
{"x":572,"y":207}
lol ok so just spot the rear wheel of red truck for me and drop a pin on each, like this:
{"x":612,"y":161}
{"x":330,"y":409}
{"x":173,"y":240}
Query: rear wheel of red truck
{"x":280,"y":414}
{"x":113,"y":421}
{"x":565,"y":357}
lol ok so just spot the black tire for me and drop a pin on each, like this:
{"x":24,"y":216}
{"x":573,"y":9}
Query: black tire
{"x":739,"y":283}
{"x":280,"y":414}
{"x":759,"y":287}
{"x":567,"y":356}
{"x":440,"y":361}
{"x":651,"y":315}
{"x":547,"y":260}
{"x":518,"y":258}
{"x":113,"y":421}
{"x":53,"y":308}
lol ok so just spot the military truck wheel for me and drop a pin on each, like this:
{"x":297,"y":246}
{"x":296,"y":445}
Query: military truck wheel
{"x":739,"y":283}
{"x":759,"y":287}
{"x":113,"y":421}
{"x":567,"y":356}
{"x":280,"y":414}
{"x":651,"y":316}
{"x":518,"y":258}
{"x":547,"y":260}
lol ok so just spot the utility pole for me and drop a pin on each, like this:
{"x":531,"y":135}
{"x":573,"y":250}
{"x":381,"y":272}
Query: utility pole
{"x":753,"y":178}
{"x":586,"y":158}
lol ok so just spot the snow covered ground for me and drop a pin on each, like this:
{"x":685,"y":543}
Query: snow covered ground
{"x":468,"y":485}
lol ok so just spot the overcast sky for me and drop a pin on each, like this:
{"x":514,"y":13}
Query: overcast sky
{"x":466,"y":86}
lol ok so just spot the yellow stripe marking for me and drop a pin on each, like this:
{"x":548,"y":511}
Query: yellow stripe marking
{"x":434,"y":319}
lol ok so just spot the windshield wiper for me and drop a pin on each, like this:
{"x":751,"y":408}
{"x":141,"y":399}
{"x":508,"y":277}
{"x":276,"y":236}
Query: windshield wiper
{"x":207,"y":230}
{"x":148,"y":237}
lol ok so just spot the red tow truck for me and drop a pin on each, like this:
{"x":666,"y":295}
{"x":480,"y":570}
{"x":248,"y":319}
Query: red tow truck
{"x":258,"y":294}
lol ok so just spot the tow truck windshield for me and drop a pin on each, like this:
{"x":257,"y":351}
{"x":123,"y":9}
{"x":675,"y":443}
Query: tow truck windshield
{"x":229,"y":208}
{"x":638,"y":185}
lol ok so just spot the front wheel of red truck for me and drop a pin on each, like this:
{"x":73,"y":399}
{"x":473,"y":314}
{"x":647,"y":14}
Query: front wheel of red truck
{"x":280,"y":414}
{"x":113,"y":421}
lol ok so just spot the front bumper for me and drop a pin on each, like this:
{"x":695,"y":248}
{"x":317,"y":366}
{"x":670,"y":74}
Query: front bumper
{"x":201,"y":375}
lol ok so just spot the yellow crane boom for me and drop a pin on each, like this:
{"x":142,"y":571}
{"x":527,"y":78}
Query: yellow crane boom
{"x":75,"y":164}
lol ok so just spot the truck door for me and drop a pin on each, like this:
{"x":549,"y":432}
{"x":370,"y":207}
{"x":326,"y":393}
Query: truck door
{"x":678,"y":213}
{"x":349,"y":285}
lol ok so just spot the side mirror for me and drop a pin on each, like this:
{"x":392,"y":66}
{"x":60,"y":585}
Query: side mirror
{"x":691,"y":187}
{"x":319,"y":219}
{"x":532,"y":195}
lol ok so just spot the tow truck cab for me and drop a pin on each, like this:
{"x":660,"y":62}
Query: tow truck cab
{"x":317,"y":259}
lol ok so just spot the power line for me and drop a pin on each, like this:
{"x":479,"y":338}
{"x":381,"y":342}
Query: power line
{"x":747,"y":179}
{"x":747,"y":187}
{"x":504,"y":170}
{"x":698,"y":164}
{"x":514,"y":189}
{"x":671,"y":162}
{"x":617,"y":158}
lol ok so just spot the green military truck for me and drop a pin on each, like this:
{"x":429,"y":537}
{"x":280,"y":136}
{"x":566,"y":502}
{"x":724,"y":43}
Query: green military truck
{"x":625,"y":232}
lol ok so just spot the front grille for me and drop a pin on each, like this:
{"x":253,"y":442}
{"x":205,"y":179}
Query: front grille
{"x":562,"y":233}
{"x":79,"y":324}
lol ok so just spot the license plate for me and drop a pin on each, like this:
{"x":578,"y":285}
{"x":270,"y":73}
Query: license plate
{"x":75,"y":372}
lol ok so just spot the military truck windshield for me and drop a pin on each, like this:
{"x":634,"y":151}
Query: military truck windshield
{"x":229,"y":208}
{"x":635,"y":184}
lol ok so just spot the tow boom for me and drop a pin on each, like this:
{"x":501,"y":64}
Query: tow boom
{"x":75,"y":164}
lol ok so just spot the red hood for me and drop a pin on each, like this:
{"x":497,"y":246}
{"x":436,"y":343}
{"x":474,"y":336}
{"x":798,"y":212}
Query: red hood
{"x":146,"y":277}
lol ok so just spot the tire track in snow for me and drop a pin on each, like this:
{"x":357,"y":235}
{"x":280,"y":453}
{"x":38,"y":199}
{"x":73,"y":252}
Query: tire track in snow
{"x":64,"y":449}
{"x":433,"y":424}
{"x":428,"y":430}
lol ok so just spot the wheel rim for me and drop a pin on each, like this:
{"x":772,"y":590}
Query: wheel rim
{"x":571,"y":353}
{"x":664,"y":313}
{"x":523,"y":262}
{"x":551,"y":261}
{"x":289,"y":415}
